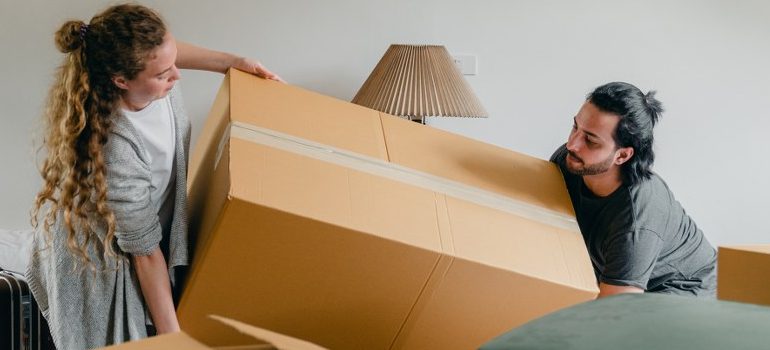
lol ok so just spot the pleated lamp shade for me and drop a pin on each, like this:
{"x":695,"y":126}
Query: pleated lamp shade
{"x":418,"y":81}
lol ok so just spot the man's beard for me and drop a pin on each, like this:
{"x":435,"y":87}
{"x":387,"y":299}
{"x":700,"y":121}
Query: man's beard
{"x":590,"y":169}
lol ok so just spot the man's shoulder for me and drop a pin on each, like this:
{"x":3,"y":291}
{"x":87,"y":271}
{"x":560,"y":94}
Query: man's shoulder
{"x":653,"y":204}
{"x":651,"y":189}
{"x":559,"y":155}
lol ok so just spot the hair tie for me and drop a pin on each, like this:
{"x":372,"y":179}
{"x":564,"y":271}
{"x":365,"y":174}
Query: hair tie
{"x":83,"y":31}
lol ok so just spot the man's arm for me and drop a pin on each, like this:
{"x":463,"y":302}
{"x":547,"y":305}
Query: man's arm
{"x":630,"y":258}
{"x":606,"y":290}
{"x":194,"y":57}
{"x":156,"y":289}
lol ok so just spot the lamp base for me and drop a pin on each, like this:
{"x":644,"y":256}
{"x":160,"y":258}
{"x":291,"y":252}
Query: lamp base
{"x":419,"y":120}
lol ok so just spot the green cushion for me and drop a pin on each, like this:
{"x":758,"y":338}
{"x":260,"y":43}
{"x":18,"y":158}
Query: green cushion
{"x":644,"y":321}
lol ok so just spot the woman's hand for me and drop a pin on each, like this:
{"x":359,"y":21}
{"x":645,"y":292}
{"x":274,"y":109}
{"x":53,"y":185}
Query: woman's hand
{"x":196,"y":57}
{"x":254,"y":67}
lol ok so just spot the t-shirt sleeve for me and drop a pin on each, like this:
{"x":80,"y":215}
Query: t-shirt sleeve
{"x":630,"y":257}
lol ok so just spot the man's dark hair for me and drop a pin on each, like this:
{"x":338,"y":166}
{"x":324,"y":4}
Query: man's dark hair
{"x":638,"y":115}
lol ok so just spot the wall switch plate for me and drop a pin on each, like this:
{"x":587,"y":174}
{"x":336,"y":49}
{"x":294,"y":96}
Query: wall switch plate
{"x":466,"y":64}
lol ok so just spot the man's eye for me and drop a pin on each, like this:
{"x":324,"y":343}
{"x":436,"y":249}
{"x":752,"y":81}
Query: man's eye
{"x":590,"y":143}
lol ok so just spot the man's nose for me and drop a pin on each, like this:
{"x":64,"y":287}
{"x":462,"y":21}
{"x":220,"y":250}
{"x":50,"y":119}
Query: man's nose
{"x":573,"y":143}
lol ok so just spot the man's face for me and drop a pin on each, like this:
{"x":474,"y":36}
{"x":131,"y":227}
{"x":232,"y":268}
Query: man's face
{"x":591,"y":147}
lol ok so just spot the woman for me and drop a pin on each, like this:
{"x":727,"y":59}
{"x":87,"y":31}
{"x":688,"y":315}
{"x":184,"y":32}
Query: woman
{"x":113,"y":205}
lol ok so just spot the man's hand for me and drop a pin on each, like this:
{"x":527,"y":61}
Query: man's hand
{"x":606,"y":290}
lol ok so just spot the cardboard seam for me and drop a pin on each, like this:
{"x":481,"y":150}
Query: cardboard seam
{"x":448,"y":235}
{"x":573,"y":274}
{"x":390,"y":171}
{"x":500,"y":267}
{"x":431,"y":284}
{"x":401,"y":174}
{"x":221,"y":146}
{"x":384,"y":138}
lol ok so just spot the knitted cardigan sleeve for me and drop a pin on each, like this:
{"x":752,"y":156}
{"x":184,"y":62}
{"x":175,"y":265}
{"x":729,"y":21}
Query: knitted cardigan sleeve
{"x":138,"y":230}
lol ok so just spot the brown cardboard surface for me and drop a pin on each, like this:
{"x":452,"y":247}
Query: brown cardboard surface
{"x":294,"y":111}
{"x":304,"y":233}
{"x":473,"y":303}
{"x":205,"y":149}
{"x":510,"y":242}
{"x":208,"y":186}
{"x":760,"y":248}
{"x":475,"y":163}
{"x":743,"y":274}
{"x":259,"y":339}
{"x":495,"y":279}
{"x":179,"y":340}
{"x":330,"y":193}
{"x":277,"y":340}
{"x":318,"y":256}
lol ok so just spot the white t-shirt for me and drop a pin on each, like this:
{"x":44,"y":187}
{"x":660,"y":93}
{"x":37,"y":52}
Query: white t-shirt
{"x":155,"y":124}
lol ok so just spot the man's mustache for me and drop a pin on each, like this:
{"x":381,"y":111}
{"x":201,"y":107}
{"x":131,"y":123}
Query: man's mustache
{"x":575,"y":156}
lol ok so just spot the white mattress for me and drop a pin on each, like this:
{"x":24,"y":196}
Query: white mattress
{"x":15,"y":246}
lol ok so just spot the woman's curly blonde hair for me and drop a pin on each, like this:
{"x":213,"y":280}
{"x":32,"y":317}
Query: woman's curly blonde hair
{"x":78,"y":119}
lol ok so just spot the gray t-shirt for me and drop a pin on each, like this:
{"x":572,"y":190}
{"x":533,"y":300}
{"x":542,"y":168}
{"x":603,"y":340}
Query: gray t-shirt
{"x":640,"y":236}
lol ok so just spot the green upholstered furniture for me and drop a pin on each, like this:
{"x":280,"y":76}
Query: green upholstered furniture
{"x":644,"y":321}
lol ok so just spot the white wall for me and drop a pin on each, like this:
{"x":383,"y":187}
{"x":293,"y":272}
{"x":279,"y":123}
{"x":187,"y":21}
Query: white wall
{"x":537,"y":60}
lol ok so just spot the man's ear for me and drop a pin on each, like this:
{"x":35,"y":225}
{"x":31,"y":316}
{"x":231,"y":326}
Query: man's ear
{"x":120,"y":81}
{"x":623,"y":154}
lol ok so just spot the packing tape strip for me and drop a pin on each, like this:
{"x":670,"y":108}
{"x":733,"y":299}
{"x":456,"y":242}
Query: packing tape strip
{"x":400,"y":173}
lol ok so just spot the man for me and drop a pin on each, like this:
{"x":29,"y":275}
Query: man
{"x":638,"y":236}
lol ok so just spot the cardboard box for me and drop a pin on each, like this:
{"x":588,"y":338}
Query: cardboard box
{"x":743,"y":274}
{"x":260,"y":339}
{"x":337,"y":224}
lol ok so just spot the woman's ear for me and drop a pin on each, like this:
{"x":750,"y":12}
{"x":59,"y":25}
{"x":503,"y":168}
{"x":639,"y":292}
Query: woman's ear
{"x":623,"y":155}
{"x":120,"y":81}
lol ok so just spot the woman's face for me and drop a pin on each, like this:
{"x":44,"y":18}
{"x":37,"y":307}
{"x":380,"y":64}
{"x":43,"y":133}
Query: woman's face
{"x":155,"y":81}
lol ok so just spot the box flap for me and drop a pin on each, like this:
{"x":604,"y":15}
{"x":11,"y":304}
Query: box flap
{"x":182,"y":340}
{"x":179,"y":340}
{"x":279,"y":341}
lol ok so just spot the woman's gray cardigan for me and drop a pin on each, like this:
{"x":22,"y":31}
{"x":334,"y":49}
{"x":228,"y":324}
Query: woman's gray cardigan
{"x":88,"y":308}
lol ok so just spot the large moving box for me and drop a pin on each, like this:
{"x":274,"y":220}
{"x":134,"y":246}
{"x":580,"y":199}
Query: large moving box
{"x":744,"y":274}
{"x":352,"y":229}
